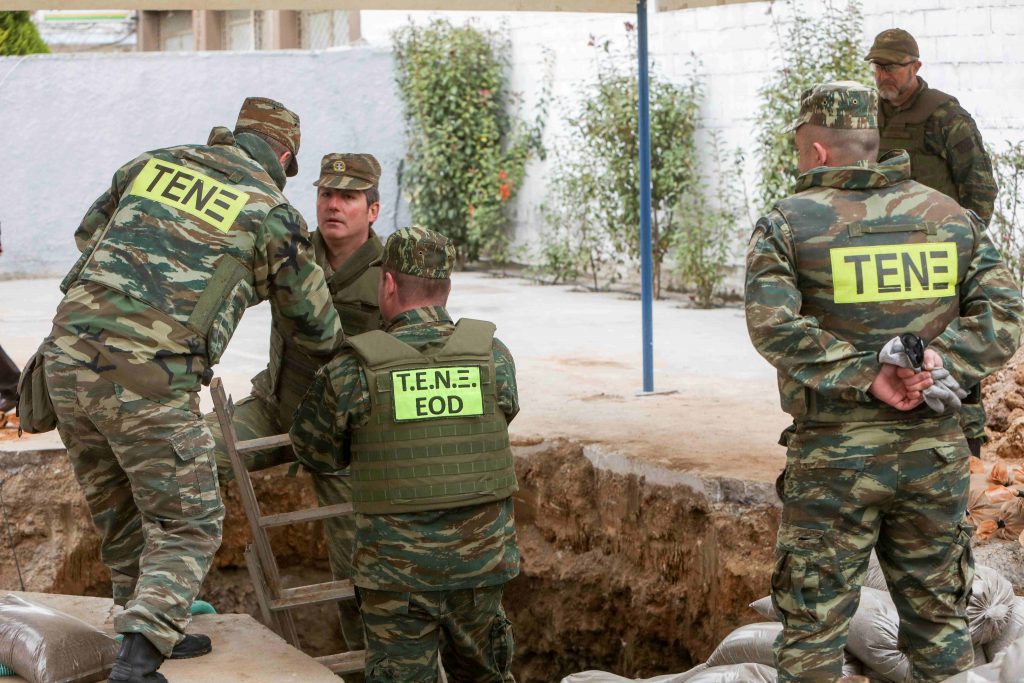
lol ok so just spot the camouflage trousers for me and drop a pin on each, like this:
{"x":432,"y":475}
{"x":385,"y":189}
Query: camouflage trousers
{"x":910,"y":508}
{"x":148,"y":476}
{"x":973,"y":419}
{"x":405,"y":633}
{"x":256,"y":417}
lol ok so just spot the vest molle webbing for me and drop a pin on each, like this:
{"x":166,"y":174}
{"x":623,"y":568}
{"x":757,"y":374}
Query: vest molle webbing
{"x":436,"y":438}
{"x":906,"y":129}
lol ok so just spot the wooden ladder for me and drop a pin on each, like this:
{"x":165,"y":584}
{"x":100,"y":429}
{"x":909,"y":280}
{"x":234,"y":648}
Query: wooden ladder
{"x":275,"y":601}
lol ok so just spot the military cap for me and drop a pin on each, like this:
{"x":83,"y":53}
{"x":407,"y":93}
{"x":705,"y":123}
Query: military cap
{"x":839,"y":104}
{"x":349,"y":171}
{"x":273,"y":119}
{"x":893,"y":46}
{"x":418,"y":252}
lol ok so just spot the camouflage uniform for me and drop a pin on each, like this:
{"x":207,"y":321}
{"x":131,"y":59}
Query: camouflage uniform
{"x":184,"y":240}
{"x":430,"y":579}
{"x":860,"y":254}
{"x":946,"y":154}
{"x":278,"y":389}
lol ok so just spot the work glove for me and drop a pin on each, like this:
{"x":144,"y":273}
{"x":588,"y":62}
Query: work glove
{"x":894,"y":353}
{"x":945,"y":393}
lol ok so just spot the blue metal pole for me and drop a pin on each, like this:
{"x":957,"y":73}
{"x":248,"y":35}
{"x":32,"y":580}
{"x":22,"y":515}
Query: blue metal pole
{"x":646,"y":246}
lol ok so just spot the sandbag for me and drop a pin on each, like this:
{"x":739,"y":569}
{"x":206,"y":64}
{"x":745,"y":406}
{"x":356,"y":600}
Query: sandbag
{"x":1007,"y":667}
{"x":873,"y":633}
{"x":750,"y":644}
{"x":734,"y":673}
{"x":605,"y":677}
{"x":1013,"y":630}
{"x":988,"y":609}
{"x":875,"y":578}
{"x":43,"y":645}
{"x":765,"y":608}
{"x":851,"y":665}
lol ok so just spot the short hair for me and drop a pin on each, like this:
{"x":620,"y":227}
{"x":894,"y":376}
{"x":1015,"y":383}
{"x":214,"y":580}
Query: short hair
{"x":276,"y":146}
{"x":372,"y":195}
{"x":412,"y":289}
{"x":846,"y":145}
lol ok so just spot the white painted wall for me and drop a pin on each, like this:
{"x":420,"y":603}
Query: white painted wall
{"x":973,"y":49}
{"x":67,"y":122}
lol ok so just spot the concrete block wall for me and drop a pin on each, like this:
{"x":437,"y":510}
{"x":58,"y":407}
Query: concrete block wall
{"x":67,"y":122}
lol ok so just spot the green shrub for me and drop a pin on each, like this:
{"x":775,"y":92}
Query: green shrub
{"x":18,"y":35}
{"x":1007,"y":227}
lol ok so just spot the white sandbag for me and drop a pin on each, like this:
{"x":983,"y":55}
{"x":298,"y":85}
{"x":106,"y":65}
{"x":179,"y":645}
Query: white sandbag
{"x":735,"y":673}
{"x":851,"y":665}
{"x":988,"y":609}
{"x":979,"y":655}
{"x":687,"y":675}
{"x":875,"y":578}
{"x":765,"y":608}
{"x":605,"y":677}
{"x":750,"y":644}
{"x":1012,"y":630}
{"x":873,"y":633}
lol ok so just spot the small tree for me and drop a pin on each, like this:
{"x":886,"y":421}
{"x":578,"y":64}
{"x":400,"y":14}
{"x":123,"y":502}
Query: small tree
{"x":1008,"y":218}
{"x":814,"y":50}
{"x":600,"y":158}
{"x":466,"y":155}
{"x":18,"y":35}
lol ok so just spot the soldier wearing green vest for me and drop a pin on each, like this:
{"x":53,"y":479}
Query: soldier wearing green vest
{"x":876,"y":457}
{"x":420,"y":412}
{"x":183,"y":241}
{"x":945,"y":148}
{"x":344,"y":246}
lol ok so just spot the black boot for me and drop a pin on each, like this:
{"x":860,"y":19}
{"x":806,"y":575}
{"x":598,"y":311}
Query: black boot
{"x":137,"y":662}
{"x":194,"y":645}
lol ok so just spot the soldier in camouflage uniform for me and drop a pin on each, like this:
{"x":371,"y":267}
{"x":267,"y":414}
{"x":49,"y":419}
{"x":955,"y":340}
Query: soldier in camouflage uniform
{"x":344,"y":245}
{"x":860,"y":254}
{"x":946,"y":152}
{"x":421,"y":412}
{"x":184,"y":240}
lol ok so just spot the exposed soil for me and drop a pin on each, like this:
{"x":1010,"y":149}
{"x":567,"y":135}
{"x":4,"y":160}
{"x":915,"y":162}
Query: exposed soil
{"x":620,"y":573}
{"x":1003,"y":395}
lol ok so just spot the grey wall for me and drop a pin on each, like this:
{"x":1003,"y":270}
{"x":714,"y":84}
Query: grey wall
{"x":67,"y":122}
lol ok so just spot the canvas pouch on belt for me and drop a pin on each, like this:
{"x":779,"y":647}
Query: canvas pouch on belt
{"x":35,"y":409}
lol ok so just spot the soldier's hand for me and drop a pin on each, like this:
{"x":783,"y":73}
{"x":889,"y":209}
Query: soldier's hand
{"x":915,"y":382}
{"x":890,"y":389}
{"x":932,"y":360}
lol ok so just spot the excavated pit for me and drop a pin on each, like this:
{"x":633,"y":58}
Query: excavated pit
{"x":628,"y":569}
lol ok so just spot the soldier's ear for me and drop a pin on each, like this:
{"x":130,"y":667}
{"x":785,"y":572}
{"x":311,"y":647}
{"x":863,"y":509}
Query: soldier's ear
{"x":285,"y":159}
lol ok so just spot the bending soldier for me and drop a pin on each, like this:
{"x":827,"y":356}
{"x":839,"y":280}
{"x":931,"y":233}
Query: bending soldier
{"x":184,"y":240}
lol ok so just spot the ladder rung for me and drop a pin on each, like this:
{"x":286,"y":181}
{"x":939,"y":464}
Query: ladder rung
{"x":345,"y":662}
{"x":315,"y":594}
{"x":310,"y":515}
{"x":276,"y":441}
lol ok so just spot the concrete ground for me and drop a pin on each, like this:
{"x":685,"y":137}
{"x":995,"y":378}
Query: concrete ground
{"x":243,"y":649}
{"x":578,"y":360}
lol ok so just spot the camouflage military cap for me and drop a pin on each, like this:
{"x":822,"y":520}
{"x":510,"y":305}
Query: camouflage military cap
{"x":839,"y":104}
{"x":349,"y":171}
{"x":893,"y":46}
{"x":418,"y":252}
{"x":273,"y":119}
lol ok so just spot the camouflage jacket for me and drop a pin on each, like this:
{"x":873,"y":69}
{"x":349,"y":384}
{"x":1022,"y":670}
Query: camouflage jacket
{"x":822,"y":332}
{"x":184,"y":240}
{"x":353,"y":289}
{"x":467,"y":547}
{"x":951,"y":135}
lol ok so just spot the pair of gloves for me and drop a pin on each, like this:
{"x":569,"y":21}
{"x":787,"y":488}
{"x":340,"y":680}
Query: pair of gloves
{"x":945,"y":392}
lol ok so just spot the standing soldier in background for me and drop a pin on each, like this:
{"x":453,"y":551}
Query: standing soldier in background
{"x":421,"y":411}
{"x":344,"y":244}
{"x":184,"y":240}
{"x":9,"y":374}
{"x":860,"y":255}
{"x":946,"y":153}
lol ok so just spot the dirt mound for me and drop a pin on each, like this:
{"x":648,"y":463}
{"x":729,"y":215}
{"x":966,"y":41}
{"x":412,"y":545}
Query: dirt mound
{"x":1003,"y":395}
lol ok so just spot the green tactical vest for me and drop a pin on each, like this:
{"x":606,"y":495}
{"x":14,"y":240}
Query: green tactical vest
{"x":436,"y":438}
{"x":182,"y":240}
{"x":869,"y":275}
{"x":905,"y":130}
{"x":353,"y":290}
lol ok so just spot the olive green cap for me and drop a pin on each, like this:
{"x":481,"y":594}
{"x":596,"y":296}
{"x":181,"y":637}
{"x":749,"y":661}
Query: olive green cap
{"x":839,"y":104}
{"x":418,"y":252}
{"x":893,"y":46}
{"x":273,"y":119}
{"x":349,"y":171}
